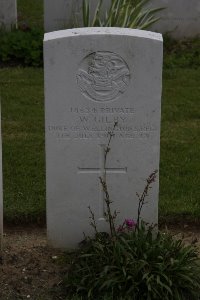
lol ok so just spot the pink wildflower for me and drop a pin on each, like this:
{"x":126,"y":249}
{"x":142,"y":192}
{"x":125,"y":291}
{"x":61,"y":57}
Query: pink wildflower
{"x":130,"y":223}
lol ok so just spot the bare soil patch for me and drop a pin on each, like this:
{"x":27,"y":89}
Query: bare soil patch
{"x":30,"y":269}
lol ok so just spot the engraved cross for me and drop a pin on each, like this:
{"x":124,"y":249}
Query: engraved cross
{"x":101,"y":172}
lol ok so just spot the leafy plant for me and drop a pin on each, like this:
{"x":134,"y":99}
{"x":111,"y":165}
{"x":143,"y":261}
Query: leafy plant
{"x":133,"y":262}
{"x":121,"y":13}
{"x":22,"y":47}
{"x":136,"y":265}
{"x":181,"y":53}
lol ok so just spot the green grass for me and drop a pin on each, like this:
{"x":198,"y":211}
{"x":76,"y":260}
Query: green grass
{"x":180,"y":143}
{"x":23,"y":144}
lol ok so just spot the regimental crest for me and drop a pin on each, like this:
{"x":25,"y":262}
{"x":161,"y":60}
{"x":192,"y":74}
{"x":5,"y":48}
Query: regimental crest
{"x":103,"y":76}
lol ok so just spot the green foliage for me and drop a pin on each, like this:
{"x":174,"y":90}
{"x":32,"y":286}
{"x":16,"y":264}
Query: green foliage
{"x":136,"y":265}
{"x":181,"y":53}
{"x":22,"y":47}
{"x":121,"y":13}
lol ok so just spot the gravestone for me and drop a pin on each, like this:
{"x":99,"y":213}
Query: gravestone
{"x":8,"y":14}
{"x":180,"y":19}
{"x":95,"y":77}
{"x":62,"y":14}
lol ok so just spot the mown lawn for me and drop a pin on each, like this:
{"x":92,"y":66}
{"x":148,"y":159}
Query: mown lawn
{"x":23,"y":144}
{"x":180,"y":143}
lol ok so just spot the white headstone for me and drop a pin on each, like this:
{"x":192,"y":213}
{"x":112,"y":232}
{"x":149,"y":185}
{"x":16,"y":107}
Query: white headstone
{"x":95,"y":77}
{"x":180,"y":19}
{"x":62,"y":14}
{"x":8,"y":14}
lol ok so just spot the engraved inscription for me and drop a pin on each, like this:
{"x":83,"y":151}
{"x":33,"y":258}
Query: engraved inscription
{"x":145,"y":131}
{"x":103,"y":76}
{"x":95,"y":122}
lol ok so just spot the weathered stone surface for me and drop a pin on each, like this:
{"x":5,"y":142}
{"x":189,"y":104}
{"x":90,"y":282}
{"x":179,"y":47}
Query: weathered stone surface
{"x":95,"y":77}
{"x":180,"y":19}
{"x":62,"y":14}
{"x":8,"y":14}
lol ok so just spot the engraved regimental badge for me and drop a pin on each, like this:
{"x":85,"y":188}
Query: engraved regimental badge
{"x":103,"y":76}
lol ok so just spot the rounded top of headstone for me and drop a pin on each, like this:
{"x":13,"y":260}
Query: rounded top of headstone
{"x":87,"y":31}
